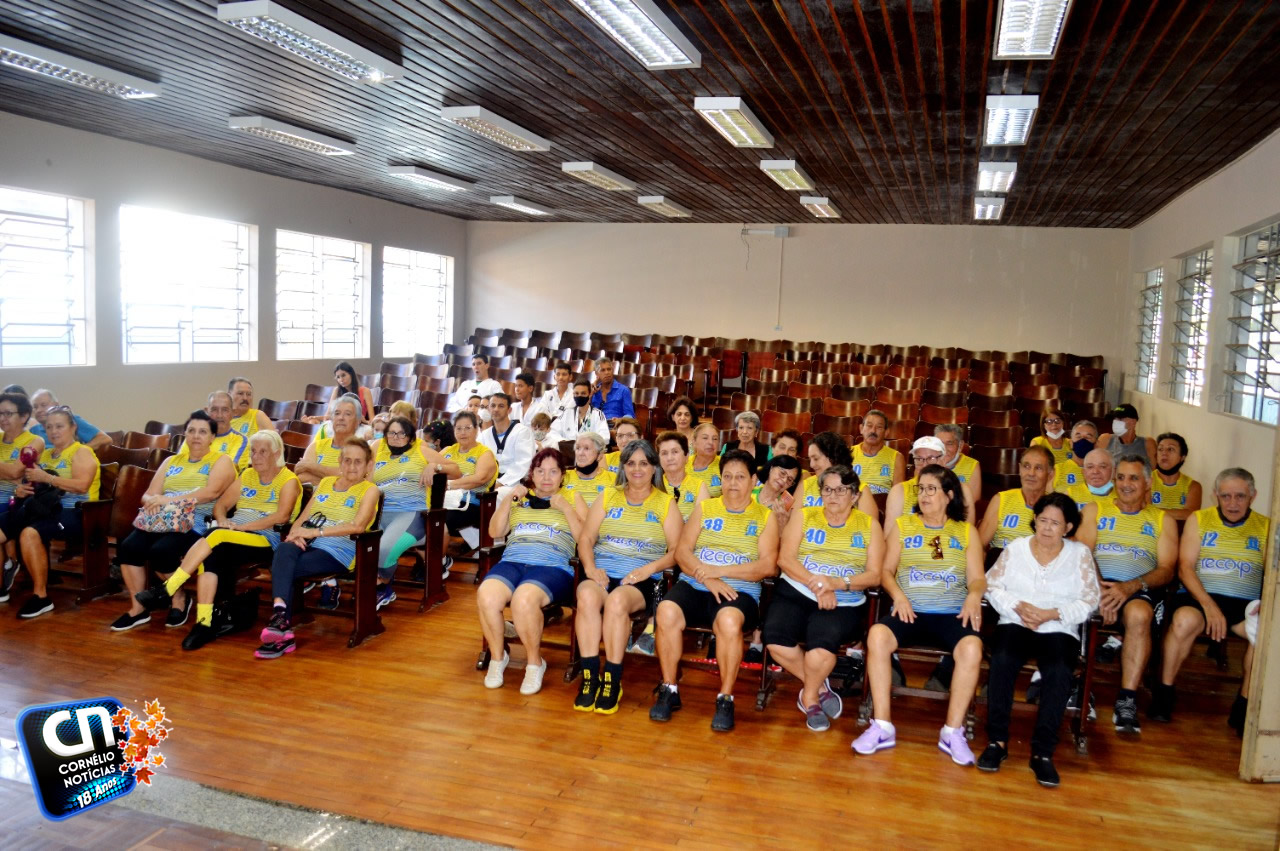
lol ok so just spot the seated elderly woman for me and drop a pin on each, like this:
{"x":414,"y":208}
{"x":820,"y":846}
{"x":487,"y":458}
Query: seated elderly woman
{"x":628,"y":539}
{"x":779,"y":478}
{"x":673,"y":456}
{"x":589,"y":478}
{"x":747,"y":425}
{"x":540,"y":521}
{"x":268,"y":495}
{"x":478,"y":470}
{"x":625,"y":430}
{"x":703,"y":462}
{"x":1044,"y":586}
{"x":15,"y":413}
{"x":829,"y":555}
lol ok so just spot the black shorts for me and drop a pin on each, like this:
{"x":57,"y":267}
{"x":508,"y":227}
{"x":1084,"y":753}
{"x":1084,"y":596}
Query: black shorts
{"x":1148,"y":597}
{"x":647,"y":587}
{"x":455,"y":520}
{"x":700,"y":607}
{"x":65,"y":525}
{"x":942,"y":631}
{"x":1232,"y":607}
{"x":794,"y":619}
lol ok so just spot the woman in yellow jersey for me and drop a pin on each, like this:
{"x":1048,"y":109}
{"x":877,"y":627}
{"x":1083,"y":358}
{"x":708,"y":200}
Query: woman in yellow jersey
{"x":15,"y":413}
{"x":683,"y":416}
{"x":729,"y":544}
{"x":704,"y":462}
{"x":322,"y":457}
{"x":540,"y":521}
{"x":1053,"y":436}
{"x":1008,"y":516}
{"x":780,"y":478}
{"x":904,"y":495}
{"x":1172,"y":491}
{"x":70,"y":468}
{"x":829,"y":556}
{"x":673,"y":455}
{"x":625,"y":430}
{"x":589,"y":478}
{"x":933,"y":574}
{"x":196,"y":473}
{"x":246,"y":419}
{"x":877,"y":464}
{"x":319,"y":542}
{"x":1221,"y":567}
{"x":477,"y":471}
{"x":628,"y":539}
{"x":243,"y":527}
{"x":825,"y":450}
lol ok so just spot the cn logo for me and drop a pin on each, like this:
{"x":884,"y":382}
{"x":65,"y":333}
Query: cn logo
{"x":85,"y":745}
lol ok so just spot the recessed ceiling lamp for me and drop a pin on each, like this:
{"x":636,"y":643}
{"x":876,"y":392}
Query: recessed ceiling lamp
{"x":520,"y":205}
{"x":1009,"y":118}
{"x":735,"y":121}
{"x":988,"y":207}
{"x":820,"y":206}
{"x":646,"y":33}
{"x":278,"y":26}
{"x":787,"y":174}
{"x":69,"y":69}
{"x":659,"y":204}
{"x":278,"y":131}
{"x":996,"y":177}
{"x":429,"y":178}
{"x":1029,"y":29}
{"x":495,"y":128}
{"x":597,"y":175}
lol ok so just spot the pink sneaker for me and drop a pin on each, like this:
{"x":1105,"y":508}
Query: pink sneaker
{"x":956,"y":746}
{"x":876,"y":738}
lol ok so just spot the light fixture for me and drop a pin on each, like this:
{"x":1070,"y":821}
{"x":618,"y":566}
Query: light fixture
{"x":597,"y":176}
{"x":735,"y":121}
{"x":659,"y":204}
{"x":69,"y":69}
{"x":820,"y":206}
{"x":278,"y":131}
{"x":495,"y":128}
{"x":787,"y":174}
{"x":1029,"y":29}
{"x":646,"y":33}
{"x":520,"y":205}
{"x":279,"y":27}
{"x":988,"y":207}
{"x":996,"y":177}
{"x":429,"y":178}
{"x":1009,"y":118}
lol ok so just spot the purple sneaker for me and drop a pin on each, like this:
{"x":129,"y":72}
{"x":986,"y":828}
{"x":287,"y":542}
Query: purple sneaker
{"x":876,"y":738}
{"x":956,"y":746}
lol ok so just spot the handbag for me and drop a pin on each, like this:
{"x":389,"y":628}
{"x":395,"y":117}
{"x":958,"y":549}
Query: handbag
{"x":45,"y":503}
{"x":176,"y":516}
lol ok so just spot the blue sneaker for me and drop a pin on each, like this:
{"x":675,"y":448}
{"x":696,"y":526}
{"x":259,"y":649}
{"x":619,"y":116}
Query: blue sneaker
{"x":386,"y":595}
{"x":329,"y":596}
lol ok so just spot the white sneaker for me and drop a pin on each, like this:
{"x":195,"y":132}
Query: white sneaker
{"x":509,"y":629}
{"x":493,"y":679}
{"x":533,"y":678}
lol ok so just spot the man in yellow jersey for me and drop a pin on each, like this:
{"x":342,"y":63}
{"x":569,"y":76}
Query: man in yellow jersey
{"x":967,"y":469}
{"x":1084,"y":437}
{"x":1172,"y":490}
{"x":1099,"y":473}
{"x":904,"y":495}
{"x":1220,"y":565}
{"x":879,"y":466}
{"x":1135,"y":546}
{"x":225,"y":439}
{"x":245,"y":418}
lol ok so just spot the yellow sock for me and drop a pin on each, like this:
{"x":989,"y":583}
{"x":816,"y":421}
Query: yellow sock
{"x":175,"y":581}
{"x":204,"y":613}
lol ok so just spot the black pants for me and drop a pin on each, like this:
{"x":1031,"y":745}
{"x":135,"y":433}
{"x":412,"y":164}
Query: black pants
{"x":1055,"y":654}
{"x":462,"y":518}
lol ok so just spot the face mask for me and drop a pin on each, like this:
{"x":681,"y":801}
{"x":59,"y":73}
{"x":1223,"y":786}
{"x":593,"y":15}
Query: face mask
{"x":1102,"y":491}
{"x":1055,"y":434}
{"x":952,"y":463}
{"x":581,"y":401}
{"x":1119,"y":428}
{"x":1081,"y":448}
{"x":398,"y":450}
{"x":538,"y":502}
{"x":588,"y":469}
{"x":539,"y":434}
{"x":485,"y":416}
{"x":1169,"y":471}
{"x":377,"y":435}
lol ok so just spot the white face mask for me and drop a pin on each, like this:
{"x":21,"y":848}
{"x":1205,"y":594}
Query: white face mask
{"x":1119,"y":428}
{"x":1056,"y":434}
{"x":539,"y":434}
{"x":485,"y":416}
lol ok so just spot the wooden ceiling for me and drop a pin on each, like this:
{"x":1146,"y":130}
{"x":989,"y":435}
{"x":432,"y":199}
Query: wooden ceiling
{"x":881,"y":101}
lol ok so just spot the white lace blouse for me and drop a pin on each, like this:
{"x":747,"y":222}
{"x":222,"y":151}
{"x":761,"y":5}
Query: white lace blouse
{"x":1069,"y":584}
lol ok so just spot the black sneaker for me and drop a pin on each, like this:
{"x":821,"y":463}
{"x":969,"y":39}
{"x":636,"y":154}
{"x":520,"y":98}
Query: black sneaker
{"x":1126,"y":715}
{"x":155,"y":599}
{"x":1235,"y":720}
{"x":446,"y":565}
{"x":668,"y":701}
{"x":7,"y":577}
{"x":753,"y":656}
{"x":609,"y":695}
{"x":177,"y":617}
{"x":329,"y":596}
{"x":586,"y":699}
{"x":35,"y":607}
{"x":1073,"y":701}
{"x":1163,"y":698}
{"x":722,"y":721}
{"x":275,"y":649}
{"x":199,"y":636}
{"x":128,"y":621}
{"x":991,"y":757}
{"x":1046,"y":774}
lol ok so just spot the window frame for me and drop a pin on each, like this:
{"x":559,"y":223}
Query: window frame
{"x":1190,"y":339}
{"x":444,"y":302}
{"x":1150,"y":328}
{"x":361,"y":293}
{"x":1253,"y":337}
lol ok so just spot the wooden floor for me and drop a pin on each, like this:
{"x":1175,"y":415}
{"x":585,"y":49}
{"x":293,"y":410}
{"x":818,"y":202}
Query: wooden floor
{"x":402,"y":731}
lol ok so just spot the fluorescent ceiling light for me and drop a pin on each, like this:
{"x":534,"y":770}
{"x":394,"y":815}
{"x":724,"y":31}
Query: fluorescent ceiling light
{"x":988,"y":207}
{"x":735,"y":121}
{"x":646,"y":33}
{"x":787,"y":174}
{"x":996,"y":177}
{"x":278,"y":131}
{"x":495,"y":128}
{"x":520,"y":205}
{"x":79,"y":72}
{"x":300,"y":36}
{"x":1029,"y":29}
{"x":820,"y":206}
{"x":659,"y":204}
{"x":429,"y":178}
{"x":1009,"y":118}
{"x":597,"y":176}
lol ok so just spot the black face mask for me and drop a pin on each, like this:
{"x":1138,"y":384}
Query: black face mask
{"x":1081,"y":448}
{"x":588,"y":469}
{"x":1169,"y":471}
{"x":538,"y":502}
{"x":581,"y":401}
{"x":398,"y":450}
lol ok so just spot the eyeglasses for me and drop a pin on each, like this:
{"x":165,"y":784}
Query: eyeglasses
{"x":936,"y":543}
{"x":396,"y":434}
{"x":1053,"y":421}
{"x":930,"y":490}
{"x":924,"y":460}
{"x":840,"y":491}
{"x":12,"y":413}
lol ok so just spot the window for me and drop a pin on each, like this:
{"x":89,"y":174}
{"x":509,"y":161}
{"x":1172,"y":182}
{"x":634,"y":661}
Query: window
{"x":322,"y":287}
{"x":1150,"y":318}
{"x":1191,"y":327}
{"x":417,"y":302}
{"x":45,"y":302}
{"x":1253,"y":355}
{"x":188,"y":288}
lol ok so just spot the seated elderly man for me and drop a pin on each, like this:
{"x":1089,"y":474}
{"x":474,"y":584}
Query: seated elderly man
{"x":87,"y":433}
{"x":482,"y":385}
{"x":1172,"y":490}
{"x":611,"y":397}
{"x":245,"y":418}
{"x":226,"y":440}
{"x":967,"y":469}
{"x":1098,"y":485}
{"x":511,"y":442}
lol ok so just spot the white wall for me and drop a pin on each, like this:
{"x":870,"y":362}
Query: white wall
{"x":46,"y":157}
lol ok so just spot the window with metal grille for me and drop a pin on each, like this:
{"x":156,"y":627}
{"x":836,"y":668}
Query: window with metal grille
{"x":188,"y":288}
{"x":1252,"y":363}
{"x":1150,"y":319}
{"x":1191,"y":328}
{"x":46,"y":305}
{"x":417,"y":302}
{"x":322,"y":293}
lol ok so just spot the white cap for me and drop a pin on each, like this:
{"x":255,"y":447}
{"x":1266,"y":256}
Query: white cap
{"x":928,"y":442}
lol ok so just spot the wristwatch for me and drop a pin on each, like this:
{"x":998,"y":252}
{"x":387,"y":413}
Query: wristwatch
{"x":1142,"y":581}
{"x":848,"y":586}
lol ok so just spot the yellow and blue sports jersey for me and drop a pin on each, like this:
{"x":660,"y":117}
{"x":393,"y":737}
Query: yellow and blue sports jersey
{"x":710,"y":475}
{"x":1170,"y":497}
{"x":184,"y":476}
{"x":1230,"y":559}
{"x":540,"y":536}
{"x":613,"y":462}
{"x":587,"y":489}
{"x":933,"y":585}
{"x":631,"y":535}
{"x":232,"y":444}
{"x":965,"y":468}
{"x":728,"y":538}
{"x":910,"y":495}
{"x":246,"y":424}
{"x":1126,"y":547}
{"x":60,"y":463}
{"x":336,"y":508}
{"x":685,"y":494}
{"x":467,"y":462}
{"x":327,"y":455}
{"x":1083,"y":496}
{"x":875,"y":471}
{"x":1060,"y":456}
{"x":1014,"y":520}
{"x":11,"y":452}
{"x":260,"y":499}
{"x":399,"y":477}
{"x":837,"y":551}
{"x":1066,"y":475}
{"x":811,"y":493}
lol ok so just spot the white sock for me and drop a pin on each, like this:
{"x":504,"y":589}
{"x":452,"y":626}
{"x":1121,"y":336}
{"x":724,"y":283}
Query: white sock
{"x":330,"y":582}
{"x":1035,"y":677}
{"x":947,"y":731}
{"x":673,"y":686}
{"x":757,"y":645}
{"x":718,"y":696}
{"x":887,"y":726}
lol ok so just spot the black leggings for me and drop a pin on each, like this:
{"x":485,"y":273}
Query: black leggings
{"x":462,"y":518}
{"x":1056,"y":654}
{"x":226,"y":560}
{"x":161,"y":551}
